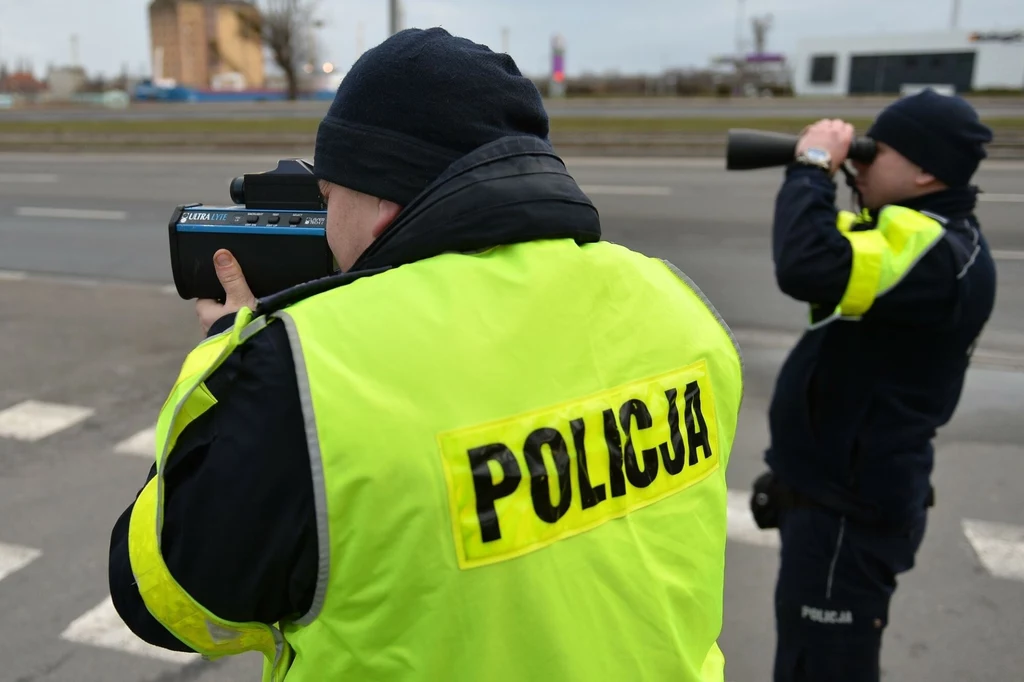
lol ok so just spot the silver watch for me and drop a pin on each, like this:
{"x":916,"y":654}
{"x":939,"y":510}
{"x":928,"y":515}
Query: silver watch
{"x":815,"y":156}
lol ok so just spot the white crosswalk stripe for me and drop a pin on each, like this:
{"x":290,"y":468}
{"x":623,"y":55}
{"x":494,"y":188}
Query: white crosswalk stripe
{"x":999,"y":546}
{"x":15,"y":557}
{"x":102,"y":627}
{"x":33,"y":420}
{"x":142,"y":444}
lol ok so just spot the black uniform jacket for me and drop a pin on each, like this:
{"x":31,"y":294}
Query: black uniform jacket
{"x":239,"y":528}
{"x":857,"y":403}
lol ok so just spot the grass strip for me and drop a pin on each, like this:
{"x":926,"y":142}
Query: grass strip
{"x":708,"y":125}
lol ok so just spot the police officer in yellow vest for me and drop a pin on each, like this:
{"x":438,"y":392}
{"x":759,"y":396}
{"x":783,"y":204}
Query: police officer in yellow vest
{"x":493,"y":447}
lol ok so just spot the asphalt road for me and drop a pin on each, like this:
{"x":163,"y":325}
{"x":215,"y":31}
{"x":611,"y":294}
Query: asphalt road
{"x":88,"y":330}
{"x":649,"y":107}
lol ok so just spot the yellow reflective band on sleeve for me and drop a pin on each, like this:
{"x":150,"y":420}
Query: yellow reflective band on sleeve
{"x":189,"y":398}
{"x":865,"y":273}
{"x":520,"y":484}
{"x":190,"y":622}
{"x":845,"y":220}
{"x":883,"y":256}
{"x":165,"y":599}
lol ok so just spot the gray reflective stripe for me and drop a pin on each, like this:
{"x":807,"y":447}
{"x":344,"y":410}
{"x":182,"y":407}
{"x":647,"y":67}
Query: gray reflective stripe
{"x":721,"y":321}
{"x":707,"y":303}
{"x":316,"y":466}
{"x":935,"y":216}
{"x":254,"y":327}
{"x":835,"y":558}
{"x":279,"y":645}
{"x":836,"y":315}
{"x":220,"y":634}
{"x":976,"y":246}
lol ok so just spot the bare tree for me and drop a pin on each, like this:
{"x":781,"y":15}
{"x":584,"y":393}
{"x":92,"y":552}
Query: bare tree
{"x":288,"y":28}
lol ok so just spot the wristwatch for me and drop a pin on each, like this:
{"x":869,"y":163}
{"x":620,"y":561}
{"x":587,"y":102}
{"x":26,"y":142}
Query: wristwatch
{"x":815,"y":156}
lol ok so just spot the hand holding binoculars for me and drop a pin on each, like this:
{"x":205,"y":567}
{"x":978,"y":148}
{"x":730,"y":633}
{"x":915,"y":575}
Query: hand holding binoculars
{"x":748,"y":149}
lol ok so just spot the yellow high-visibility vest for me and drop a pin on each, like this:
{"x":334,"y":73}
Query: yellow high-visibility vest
{"x":519,"y":462}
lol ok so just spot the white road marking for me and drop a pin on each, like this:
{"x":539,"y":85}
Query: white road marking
{"x":999,"y":546}
{"x":142,"y":444}
{"x":35,"y":178}
{"x":32,"y":420}
{"x":640,"y":162}
{"x":687,"y":162}
{"x":75,"y":281}
{"x":1002,"y":198}
{"x":69,"y":213}
{"x":765,"y":338}
{"x":741,"y":522}
{"x":1008,"y":255}
{"x":102,"y":627}
{"x":14,"y":558}
{"x":625,"y":190}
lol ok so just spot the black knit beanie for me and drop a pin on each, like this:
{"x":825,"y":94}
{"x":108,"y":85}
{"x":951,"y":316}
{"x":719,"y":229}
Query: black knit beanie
{"x":942,"y":134}
{"x":414,"y":104}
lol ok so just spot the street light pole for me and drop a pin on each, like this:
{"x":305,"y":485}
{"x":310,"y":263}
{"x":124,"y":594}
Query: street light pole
{"x":394,"y":10}
{"x":956,"y":15}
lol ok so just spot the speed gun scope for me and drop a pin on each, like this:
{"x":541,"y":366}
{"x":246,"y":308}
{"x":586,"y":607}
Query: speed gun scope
{"x":748,"y":149}
{"x":276,"y":230}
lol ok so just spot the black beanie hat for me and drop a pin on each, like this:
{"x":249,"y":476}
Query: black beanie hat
{"x":414,"y":104}
{"x":940,"y":133}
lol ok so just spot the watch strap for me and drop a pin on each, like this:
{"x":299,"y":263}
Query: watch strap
{"x":818,"y":159}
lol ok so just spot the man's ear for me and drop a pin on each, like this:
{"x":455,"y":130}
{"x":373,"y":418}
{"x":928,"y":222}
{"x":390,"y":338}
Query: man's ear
{"x":926,"y":179}
{"x":387,"y":211}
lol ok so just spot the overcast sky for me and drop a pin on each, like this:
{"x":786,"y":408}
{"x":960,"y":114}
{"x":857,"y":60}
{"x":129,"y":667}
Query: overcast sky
{"x":626,"y":35}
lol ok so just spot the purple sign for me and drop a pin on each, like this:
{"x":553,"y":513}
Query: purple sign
{"x":764,"y":58}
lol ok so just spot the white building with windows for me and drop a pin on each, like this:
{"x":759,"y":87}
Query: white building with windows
{"x":953,"y":61}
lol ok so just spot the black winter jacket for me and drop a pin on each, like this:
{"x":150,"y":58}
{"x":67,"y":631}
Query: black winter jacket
{"x":239,"y":528}
{"x":857,"y":403}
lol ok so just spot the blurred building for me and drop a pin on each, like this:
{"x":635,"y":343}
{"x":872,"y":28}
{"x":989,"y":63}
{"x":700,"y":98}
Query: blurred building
{"x":65,"y":81}
{"x":21,"y":81}
{"x":950,"y":61}
{"x":752,"y":70}
{"x":206,"y":43}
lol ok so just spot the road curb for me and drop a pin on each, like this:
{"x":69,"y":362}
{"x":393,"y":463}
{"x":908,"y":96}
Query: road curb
{"x":1008,"y":144}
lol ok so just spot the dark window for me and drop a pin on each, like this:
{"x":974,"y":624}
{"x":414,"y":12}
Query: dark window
{"x":823,"y":68}
{"x":887,"y":73}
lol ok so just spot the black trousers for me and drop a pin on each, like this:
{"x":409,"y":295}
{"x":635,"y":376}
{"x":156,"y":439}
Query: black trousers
{"x":835,"y":583}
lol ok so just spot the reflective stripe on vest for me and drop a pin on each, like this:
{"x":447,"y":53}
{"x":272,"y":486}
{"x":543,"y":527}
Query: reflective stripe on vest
{"x":882,"y":255}
{"x":166,"y":600}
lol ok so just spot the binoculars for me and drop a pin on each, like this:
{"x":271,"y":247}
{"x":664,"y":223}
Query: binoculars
{"x":748,"y":149}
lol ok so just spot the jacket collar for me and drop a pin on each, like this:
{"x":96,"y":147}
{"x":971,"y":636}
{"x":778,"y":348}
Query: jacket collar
{"x":954,"y":204}
{"x":512,"y":190}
